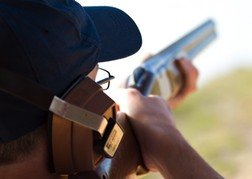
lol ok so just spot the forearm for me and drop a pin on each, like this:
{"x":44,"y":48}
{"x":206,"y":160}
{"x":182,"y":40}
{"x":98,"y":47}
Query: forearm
{"x":182,"y":161}
{"x":162,"y":146}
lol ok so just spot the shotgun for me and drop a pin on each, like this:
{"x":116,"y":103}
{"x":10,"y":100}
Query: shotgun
{"x":156,"y":75}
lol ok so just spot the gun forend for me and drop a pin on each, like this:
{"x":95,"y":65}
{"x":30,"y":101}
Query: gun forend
{"x":158,"y":75}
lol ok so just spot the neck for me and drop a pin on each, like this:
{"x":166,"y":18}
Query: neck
{"x":33,"y":166}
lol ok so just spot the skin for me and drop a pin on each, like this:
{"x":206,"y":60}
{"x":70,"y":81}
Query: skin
{"x":153,"y":125}
{"x":34,"y":166}
{"x":189,"y":75}
{"x":163,"y":147}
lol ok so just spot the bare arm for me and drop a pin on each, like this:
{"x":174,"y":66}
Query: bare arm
{"x":162,"y":145}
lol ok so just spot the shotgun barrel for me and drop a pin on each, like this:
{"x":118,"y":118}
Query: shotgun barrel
{"x":156,"y":74}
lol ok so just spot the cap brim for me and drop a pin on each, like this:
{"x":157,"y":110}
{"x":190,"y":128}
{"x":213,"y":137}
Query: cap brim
{"x":119,"y":35}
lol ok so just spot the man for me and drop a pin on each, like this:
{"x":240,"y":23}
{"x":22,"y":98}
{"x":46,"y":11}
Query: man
{"x":45,"y":46}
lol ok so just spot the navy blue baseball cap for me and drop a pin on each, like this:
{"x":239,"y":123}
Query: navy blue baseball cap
{"x":51,"y":42}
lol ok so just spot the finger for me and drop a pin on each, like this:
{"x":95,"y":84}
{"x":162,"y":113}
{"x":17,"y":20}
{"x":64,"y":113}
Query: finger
{"x":189,"y":74}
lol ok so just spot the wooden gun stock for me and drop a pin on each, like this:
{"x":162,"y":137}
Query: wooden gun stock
{"x":127,"y":159}
{"x":124,"y":164}
{"x":157,"y":75}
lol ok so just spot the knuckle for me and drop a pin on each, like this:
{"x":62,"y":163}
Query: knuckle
{"x":133,"y":92}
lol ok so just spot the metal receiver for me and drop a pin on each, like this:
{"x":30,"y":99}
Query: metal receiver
{"x":158,"y":75}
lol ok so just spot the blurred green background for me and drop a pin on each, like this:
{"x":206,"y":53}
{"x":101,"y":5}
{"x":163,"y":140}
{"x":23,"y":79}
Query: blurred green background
{"x":217,"y":122}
